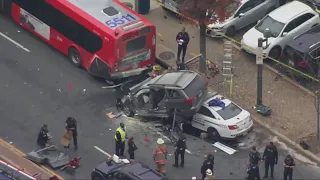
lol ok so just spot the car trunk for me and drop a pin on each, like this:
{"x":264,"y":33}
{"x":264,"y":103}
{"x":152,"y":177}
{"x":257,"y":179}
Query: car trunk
{"x":196,"y":92}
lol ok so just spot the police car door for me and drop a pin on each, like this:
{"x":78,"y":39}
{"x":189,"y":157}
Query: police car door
{"x":203,"y":119}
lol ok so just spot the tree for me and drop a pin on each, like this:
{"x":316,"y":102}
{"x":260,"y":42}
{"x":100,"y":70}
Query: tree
{"x":204,"y":12}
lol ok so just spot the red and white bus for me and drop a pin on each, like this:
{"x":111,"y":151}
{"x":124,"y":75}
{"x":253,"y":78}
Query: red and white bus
{"x":105,"y":37}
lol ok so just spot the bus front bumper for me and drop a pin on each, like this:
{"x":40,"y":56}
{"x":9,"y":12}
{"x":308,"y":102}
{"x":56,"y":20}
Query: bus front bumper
{"x":125,"y":74}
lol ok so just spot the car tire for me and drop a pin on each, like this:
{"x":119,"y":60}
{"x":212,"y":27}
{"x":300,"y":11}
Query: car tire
{"x":275,"y":52}
{"x":74,"y":56}
{"x":231,"y":31}
{"x":213,"y":134}
{"x":127,"y":111}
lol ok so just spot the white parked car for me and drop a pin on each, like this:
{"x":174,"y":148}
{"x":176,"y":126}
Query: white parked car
{"x":229,"y":122}
{"x":284,"y":24}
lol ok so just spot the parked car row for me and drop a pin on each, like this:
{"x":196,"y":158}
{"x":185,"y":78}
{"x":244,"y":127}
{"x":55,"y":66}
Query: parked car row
{"x":292,"y":29}
{"x":185,"y":92}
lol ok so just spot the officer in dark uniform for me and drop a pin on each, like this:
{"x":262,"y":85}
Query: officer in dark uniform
{"x":253,"y":172}
{"x":270,"y":157}
{"x":207,"y":164}
{"x":255,"y":159}
{"x":289,"y":164}
{"x":182,"y":39}
{"x":181,"y":147}
{"x":43,"y":136}
{"x":71,"y":125}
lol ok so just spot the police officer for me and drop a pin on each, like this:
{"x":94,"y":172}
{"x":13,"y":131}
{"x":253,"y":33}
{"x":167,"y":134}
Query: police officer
{"x":289,"y":164}
{"x":253,"y":172}
{"x":71,"y":125}
{"x":270,"y":157}
{"x":207,"y":164}
{"x":181,"y":147}
{"x":255,"y":159}
{"x":43,"y":136}
{"x":182,"y":39}
{"x":120,"y":137}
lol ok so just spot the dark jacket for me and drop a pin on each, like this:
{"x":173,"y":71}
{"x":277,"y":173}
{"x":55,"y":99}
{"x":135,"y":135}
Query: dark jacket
{"x":254,"y":158}
{"x":181,"y":144}
{"x":72,"y":126}
{"x":131,"y":147}
{"x":184,"y":36}
{"x":270,"y":154}
{"x":289,"y":162}
{"x":43,"y":137}
{"x":207,"y":164}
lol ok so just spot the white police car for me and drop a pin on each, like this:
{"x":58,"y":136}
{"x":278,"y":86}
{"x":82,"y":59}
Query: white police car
{"x":222,"y":119}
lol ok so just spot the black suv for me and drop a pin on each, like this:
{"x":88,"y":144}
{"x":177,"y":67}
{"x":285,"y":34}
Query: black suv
{"x":303,"y":52}
{"x":121,"y":171}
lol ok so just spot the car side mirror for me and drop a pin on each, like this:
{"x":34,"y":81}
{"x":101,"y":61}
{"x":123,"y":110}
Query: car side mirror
{"x":284,"y":34}
{"x":241,"y":15}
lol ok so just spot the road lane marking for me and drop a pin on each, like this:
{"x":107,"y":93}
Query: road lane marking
{"x":22,"y":154}
{"x":14,"y":42}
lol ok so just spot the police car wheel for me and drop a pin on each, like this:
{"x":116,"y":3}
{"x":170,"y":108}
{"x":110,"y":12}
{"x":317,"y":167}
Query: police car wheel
{"x":213,"y":134}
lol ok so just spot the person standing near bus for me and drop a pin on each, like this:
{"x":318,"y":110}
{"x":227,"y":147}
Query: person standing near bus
{"x":182,"y":39}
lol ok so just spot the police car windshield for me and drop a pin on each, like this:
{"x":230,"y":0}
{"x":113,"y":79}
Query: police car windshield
{"x":230,"y":111}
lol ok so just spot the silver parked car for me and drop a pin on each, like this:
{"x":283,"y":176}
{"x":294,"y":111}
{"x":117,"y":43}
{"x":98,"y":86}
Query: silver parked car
{"x":242,"y":15}
{"x":184,"y":91}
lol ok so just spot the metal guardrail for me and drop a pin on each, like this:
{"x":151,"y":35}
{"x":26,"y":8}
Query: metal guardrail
{"x":8,"y":171}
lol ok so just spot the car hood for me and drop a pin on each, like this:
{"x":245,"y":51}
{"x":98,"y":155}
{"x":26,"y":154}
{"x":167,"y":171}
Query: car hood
{"x":251,"y":37}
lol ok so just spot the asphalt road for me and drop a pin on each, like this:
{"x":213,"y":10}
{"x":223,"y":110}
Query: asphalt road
{"x":40,"y":86}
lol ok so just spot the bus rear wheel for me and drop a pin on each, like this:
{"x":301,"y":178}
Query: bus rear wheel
{"x":75,"y":57}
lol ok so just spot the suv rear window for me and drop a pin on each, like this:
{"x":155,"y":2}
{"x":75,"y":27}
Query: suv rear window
{"x":194,"y":87}
{"x":229,"y":111}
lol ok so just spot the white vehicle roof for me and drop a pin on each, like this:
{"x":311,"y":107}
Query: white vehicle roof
{"x":288,"y":11}
{"x":217,"y":108}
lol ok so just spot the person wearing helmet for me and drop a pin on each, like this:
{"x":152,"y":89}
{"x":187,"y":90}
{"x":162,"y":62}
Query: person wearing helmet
{"x":209,"y":175}
{"x":120,"y":137}
{"x":155,"y":71}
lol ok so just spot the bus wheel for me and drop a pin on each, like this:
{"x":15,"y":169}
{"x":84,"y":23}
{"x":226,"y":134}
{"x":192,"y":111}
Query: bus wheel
{"x":75,"y":56}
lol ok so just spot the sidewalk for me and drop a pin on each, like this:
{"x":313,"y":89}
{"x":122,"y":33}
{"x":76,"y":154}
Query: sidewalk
{"x":13,"y":156}
{"x":293,"y":110}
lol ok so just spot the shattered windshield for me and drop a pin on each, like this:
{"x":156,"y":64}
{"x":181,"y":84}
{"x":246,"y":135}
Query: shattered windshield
{"x":272,"y":24}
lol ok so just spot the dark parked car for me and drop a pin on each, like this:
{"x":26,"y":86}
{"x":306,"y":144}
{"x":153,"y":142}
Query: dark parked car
{"x":121,"y":171}
{"x":184,"y":90}
{"x":303,"y":52}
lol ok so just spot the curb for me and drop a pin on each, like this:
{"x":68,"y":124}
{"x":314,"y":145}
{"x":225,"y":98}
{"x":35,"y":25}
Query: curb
{"x":288,"y":141}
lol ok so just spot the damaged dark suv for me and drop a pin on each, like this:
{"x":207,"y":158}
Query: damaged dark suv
{"x":184,"y":91}
{"x":303,"y":52}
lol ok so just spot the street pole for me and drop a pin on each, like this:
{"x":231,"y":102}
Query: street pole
{"x":136,"y":6}
{"x":259,"y":61}
{"x":318,"y":104}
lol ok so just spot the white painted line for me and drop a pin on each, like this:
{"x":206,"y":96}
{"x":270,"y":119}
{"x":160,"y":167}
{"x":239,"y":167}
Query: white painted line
{"x":102,"y":151}
{"x":14,"y":42}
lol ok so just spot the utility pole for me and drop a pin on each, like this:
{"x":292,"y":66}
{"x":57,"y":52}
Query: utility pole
{"x":259,"y":61}
{"x":136,"y":5}
{"x":318,"y":104}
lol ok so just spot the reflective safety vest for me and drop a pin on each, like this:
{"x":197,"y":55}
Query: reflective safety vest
{"x":160,"y":154}
{"x":122,"y":133}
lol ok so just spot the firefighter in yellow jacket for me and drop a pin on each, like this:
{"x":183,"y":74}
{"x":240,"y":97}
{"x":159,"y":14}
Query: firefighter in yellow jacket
{"x":160,"y":156}
{"x":155,"y":71}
